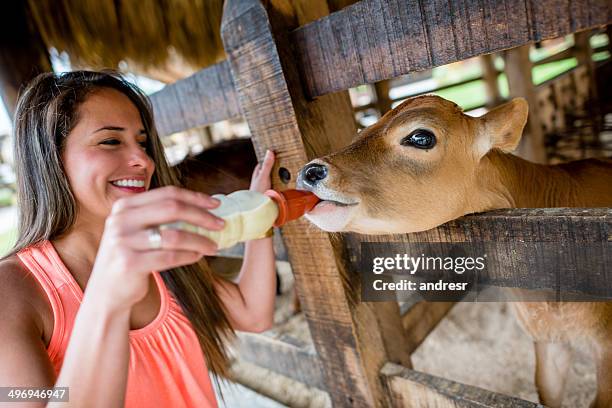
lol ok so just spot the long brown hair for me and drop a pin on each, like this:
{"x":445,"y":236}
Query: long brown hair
{"x":46,"y":113}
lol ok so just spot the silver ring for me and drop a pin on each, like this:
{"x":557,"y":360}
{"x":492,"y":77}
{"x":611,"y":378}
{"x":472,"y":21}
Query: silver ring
{"x":155,"y":238}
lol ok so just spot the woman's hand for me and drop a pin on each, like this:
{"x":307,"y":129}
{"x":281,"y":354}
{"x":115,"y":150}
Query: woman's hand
{"x":126,"y":256}
{"x":260,"y":181}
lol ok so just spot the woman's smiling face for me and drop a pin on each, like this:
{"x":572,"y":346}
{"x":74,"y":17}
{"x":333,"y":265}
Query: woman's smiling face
{"x":105,"y":154}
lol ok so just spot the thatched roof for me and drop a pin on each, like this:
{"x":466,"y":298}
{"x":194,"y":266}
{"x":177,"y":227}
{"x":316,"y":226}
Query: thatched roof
{"x":148,"y":34}
{"x":164,"y":39}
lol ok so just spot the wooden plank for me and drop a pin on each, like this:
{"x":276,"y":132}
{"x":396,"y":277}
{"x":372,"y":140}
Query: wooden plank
{"x":520,"y":83}
{"x":438,"y":22}
{"x":490,"y":75}
{"x":557,"y":21}
{"x":568,"y":53}
{"x":375,"y":40}
{"x":206,"y":97}
{"x":550,"y":116}
{"x":383,"y":102}
{"x":413,"y":389}
{"x":527,"y":248}
{"x":418,"y":317}
{"x":584,"y":55}
{"x":346,"y":334}
{"x":300,"y":363}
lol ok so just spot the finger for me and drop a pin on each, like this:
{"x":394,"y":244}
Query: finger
{"x":173,"y":239}
{"x":165,"y":212}
{"x":166,"y":192}
{"x":256,"y":170}
{"x":268,"y":162}
{"x":162,"y":259}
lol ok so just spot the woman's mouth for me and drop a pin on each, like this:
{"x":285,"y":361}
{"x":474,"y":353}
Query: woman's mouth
{"x":131,"y":189}
{"x":133,"y":186}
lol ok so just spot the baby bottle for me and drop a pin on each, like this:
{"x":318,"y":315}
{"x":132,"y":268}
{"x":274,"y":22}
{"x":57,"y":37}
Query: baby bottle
{"x":251,"y":215}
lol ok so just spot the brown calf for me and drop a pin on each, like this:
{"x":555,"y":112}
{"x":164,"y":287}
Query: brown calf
{"x":426,"y":163}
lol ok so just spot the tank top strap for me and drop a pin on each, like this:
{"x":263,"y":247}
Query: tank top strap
{"x":38,"y":260}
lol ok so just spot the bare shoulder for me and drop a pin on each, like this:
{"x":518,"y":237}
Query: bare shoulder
{"x":14,"y":277}
{"x":23,"y":354}
{"x":20,"y":294}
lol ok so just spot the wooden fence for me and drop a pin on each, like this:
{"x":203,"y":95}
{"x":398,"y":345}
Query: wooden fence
{"x":287,"y":76}
{"x":490,"y":76}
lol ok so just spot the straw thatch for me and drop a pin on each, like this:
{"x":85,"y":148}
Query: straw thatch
{"x":163,"y":39}
{"x":144,"y":33}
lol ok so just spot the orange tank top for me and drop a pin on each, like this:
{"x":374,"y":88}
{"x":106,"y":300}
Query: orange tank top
{"x":166,"y":368}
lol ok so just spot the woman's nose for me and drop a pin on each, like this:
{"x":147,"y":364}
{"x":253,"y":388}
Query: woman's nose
{"x":139,"y":157}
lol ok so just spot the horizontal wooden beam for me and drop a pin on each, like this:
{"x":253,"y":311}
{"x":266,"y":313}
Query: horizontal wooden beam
{"x":375,"y":40}
{"x":206,"y":97}
{"x":409,"y":388}
{"x":296,"y":361}
{"x":561,"y":55}
{"x":565,"y":251}
{"x":600,"y":48}
{"x":580,"y":225}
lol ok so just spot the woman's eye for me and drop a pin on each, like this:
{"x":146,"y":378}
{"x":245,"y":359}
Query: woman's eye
{"x":113,"y":142}
{"x":420,"y":138}
{"x":110,"y":142}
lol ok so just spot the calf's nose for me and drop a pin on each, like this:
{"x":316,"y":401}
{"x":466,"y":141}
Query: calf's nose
{"x":312,"y":173}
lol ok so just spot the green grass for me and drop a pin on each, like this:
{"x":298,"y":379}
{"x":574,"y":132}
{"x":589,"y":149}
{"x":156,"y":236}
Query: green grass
{"x":544,"y":72}
{"x":599,"y":40}
{"x":600,"y":56}
{"x":7,"y":239}
{"x":467,"y":96}
{"x":473,"y":94}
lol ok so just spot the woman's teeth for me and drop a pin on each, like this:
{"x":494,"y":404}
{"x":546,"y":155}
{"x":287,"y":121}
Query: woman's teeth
{"x":129,"y":183}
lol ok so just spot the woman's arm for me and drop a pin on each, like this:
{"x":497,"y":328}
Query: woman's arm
{"x":95,"y":363}
{"x":23,"y":358}
{"x":95,"y":366}
{"x":250,"y":302}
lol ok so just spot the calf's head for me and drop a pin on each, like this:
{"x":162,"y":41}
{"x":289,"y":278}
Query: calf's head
{"x":414,"y":169}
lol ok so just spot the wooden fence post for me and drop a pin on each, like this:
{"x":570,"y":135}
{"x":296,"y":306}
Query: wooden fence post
{"x":584,"y":55}
{"x":490,"y":74}
{"x":520,"y":83}
{"x":383,"y":101}
{"x":348,"y":334}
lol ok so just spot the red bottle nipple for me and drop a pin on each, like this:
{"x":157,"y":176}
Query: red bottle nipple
{"x":292,"y":204}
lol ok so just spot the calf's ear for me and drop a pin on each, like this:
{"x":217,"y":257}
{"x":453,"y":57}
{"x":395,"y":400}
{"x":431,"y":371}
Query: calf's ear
{"x":502,"y":127}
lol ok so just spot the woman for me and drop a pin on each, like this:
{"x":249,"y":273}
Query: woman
{"x":93,"y":185}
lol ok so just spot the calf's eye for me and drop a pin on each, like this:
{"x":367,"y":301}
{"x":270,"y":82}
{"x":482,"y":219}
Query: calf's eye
{"x":420,"y":138}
